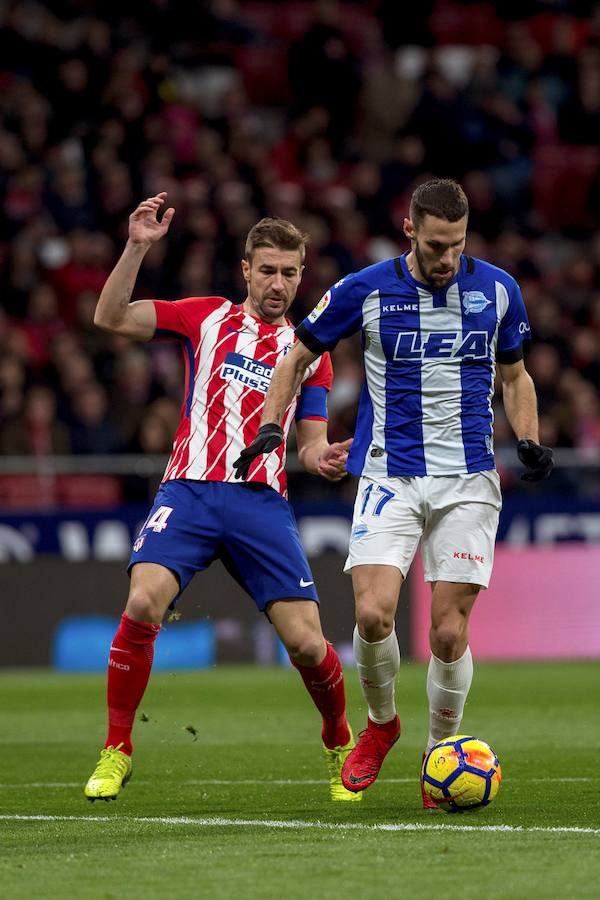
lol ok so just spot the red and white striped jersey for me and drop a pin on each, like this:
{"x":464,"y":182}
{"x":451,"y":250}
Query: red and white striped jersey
{"x":229,"y":358}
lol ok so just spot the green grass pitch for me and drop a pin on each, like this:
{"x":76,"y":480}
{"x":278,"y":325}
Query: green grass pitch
{"x":228,"y":797}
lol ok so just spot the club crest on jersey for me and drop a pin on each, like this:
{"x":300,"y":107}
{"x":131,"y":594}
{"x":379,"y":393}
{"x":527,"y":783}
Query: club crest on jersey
{"x":358,"y":532}
{"x":474,"y":302}
{"x":247,"y":371}
{"x":320,"y":307}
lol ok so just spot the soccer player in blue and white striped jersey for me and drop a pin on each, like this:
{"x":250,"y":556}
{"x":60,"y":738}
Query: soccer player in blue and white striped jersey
{"x":435,"y":323}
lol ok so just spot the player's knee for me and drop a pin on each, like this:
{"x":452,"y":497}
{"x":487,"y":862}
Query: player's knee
{"x":306,"y":647}
{"x":374,"y":622}
{"x":447,"y":635}
{"x":143,"y":606}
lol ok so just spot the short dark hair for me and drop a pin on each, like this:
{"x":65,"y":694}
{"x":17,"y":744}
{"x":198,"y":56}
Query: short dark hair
{"x":277,"y":233}
{"x":440,"y":197}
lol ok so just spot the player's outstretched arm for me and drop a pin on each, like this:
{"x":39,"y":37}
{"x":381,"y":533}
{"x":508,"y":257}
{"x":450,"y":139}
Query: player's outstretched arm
{"x":286,"y":380}
{"x":114,"y":312}
{"x":520,"y":404}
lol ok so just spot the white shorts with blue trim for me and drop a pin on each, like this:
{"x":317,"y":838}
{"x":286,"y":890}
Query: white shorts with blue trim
{"x":454,"y":517}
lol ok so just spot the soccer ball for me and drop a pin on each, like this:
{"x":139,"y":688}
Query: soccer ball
{"x":461,"y":773}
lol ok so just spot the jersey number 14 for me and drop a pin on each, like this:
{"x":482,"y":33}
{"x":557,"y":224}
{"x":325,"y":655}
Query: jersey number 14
{"x":157,"y":521}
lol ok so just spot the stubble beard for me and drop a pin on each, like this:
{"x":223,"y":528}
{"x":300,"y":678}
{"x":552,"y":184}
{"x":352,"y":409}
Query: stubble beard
{"x":267,"y":316}
{"x":429,"y":278}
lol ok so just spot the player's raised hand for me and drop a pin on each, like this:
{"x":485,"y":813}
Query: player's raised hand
{"x":332,"y":462}
{"x":144,"y":226}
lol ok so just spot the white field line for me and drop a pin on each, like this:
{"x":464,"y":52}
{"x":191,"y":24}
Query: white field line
{"x":285,"y":782}
{"x":298,"y":824}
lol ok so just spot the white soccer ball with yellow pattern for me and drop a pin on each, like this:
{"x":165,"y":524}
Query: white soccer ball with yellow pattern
{"x":461,"y":773}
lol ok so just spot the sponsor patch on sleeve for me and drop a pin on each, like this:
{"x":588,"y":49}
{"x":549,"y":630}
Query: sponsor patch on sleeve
{"x":320,"y":307}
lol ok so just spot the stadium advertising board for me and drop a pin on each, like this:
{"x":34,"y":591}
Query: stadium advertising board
{"x":542,"y":603}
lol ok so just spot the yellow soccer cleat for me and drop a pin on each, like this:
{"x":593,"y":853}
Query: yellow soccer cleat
{"x":110,"y":775}
{"x":334,"y":760}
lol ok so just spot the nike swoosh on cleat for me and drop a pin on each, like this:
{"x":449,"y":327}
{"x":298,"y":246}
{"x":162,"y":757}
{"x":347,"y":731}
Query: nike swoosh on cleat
{"x":304,"y":583}
{"x":354,"y":780}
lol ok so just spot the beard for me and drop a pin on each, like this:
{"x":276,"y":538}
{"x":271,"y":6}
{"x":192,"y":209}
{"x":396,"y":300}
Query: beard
{"x":269,"y":310}
{"x":427,"y":271}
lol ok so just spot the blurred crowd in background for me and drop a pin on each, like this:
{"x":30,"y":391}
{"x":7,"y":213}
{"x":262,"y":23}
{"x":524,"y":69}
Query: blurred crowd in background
{"x":327,"y":114}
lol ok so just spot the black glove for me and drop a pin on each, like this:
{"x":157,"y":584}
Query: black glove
{"x":539,"y":459}
{"x":269,"y":437}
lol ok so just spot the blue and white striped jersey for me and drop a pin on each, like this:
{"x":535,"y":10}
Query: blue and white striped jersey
{"x":430,"y":359}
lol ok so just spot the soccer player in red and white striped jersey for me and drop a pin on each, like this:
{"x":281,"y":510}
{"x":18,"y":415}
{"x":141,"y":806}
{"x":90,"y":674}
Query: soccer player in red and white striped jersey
{"x":229,"y":356}
{"x":202,"y":511}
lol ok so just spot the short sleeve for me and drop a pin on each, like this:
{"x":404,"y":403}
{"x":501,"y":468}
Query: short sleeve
{"x":337,"y":315}
{"x":514,"y":325}
{"x":323,"y":374}
{"x":180,"y":319}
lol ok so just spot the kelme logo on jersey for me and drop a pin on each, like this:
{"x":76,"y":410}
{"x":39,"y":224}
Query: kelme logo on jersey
{"x":320,"y":307}
{"x":474,"y":302}
{"x":441,"y":345}
{"x":247,"y":371}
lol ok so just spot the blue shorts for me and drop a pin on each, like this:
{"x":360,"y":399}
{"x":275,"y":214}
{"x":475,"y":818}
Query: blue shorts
{"x":250,"y":528}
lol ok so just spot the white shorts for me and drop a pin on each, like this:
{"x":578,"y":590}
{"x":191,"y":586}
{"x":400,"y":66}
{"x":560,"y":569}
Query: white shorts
{"x":454,"y":516}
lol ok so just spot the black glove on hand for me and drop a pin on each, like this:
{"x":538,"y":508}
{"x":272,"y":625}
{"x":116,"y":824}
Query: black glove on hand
{"x":269,"y":437}
{"x":539,"y":459}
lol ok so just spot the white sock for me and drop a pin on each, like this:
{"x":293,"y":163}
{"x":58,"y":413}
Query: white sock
{"x":378,"y":664}
{"x":447,"y":688}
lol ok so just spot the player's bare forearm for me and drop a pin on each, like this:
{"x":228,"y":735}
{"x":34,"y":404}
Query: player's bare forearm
{"x":520,"y":401}
{"x":310,"y":450}
{"x":285,"y":382}
{"x":113,"y":311}
{"x":316,"y":454}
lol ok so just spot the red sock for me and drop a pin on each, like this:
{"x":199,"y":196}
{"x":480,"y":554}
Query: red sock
{"x":325,"y":684}
{"x":129,"y":665}
{"x":390,"y":728}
